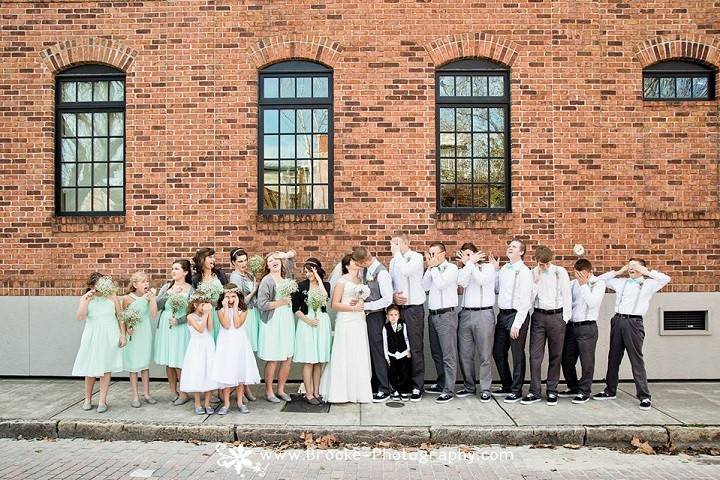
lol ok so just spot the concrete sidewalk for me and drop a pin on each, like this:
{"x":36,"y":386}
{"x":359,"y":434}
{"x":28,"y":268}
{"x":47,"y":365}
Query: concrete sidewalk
{"x":685,"y":414}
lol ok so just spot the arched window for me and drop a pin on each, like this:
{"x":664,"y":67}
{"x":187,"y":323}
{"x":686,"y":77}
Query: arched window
{"x":678,"y":80}
{"x":90,"y":141}
{"x":472,"y":124}
{"x":296,"y":138}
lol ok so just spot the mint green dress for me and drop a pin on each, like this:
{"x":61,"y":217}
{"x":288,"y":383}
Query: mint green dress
{"x":276,"y":338}
{"x":99,"y":351}
{"x":313,"y":344}
{"x":137,"y":352}
{"x":171,"y":341}
{"x":215,"y":317}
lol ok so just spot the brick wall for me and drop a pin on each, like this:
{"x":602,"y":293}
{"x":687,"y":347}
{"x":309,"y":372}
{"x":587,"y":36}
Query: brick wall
{"x":592,"y":162}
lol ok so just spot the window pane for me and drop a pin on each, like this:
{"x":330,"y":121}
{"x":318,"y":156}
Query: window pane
{"x":464,"y":195}
{"x":479,"y":86}
{"x":480,"y":170}
{"x":667,"y":87}
{"x":68,"y":125}
{"x":117,"y":91}
{"x":497,"y":169}
{"x":497,"y":145}
{"x":117,"y":127}
{"x":320,"y":87}
{"x":320,"y":197}
{"x":463,"y":169}
{"x":67,"y":200}
{"x":304,"y":121}
{"x":84,"y":174}
{"x":463,"y":119}
{"x":270,"y":146}
{"x":270,"y":121}
{"x":271,"y":172}
{"x":68,"y":150}
{"x":100,"y":199}
{"x":116,"y":174}
{"x":651,"y":87}
{"x":100,"y":150}
{"x":447,"y":119}
{"x":700,"y":87}
{"x":462,"y":147}
{"x":495,"y":86}
{"x":320,"y":171}
{"x":100,"y":93}
{"x":84,"y":125}
{"x":287,"y":146}
{"x":287,"y":172}
{"x":116,"y":149}
{"x":304,"y":87}
{"x":304,"y":197}
{"x":462,"y":86}
{"x":683,"y":86}
{"x":447,"y":86}
{"x":480,"y":119}
{"x":303,"y":146}
{"x":480,"y":199}
{"x":447,"y":145}
{"x":304,"y":171}
{"x":100,"y":124}
{"x":67,"y":94}
{"x":84,"y":150}
{"x":287,"y":121}
{"x":270,"y":87}
{"x":83,"y":200}
{"x":271,"y":197}
{"x":287,"y":87}
{"x":447,"y":195}
{"x":320,"y":146}
{"x":287,"y":198}
{"x":497,"y":120}
{"x":447,"y":170}
{"x":68,"y":175}
{"x":116,"y":200}
{"x":320,"y":120}
{"x":497,"y":197}
{"x":84,"y":91}
{"x":480,"y":145}
{"x":100,"y":178}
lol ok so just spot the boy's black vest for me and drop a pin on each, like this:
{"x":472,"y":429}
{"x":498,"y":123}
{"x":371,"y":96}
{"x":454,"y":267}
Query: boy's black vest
{"x":396,"y":340}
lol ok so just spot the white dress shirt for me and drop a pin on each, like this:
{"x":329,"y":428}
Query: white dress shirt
{"x":519,"y":275}
{"x":478,"y":282}
{"x":441,"y":282}
{"x":406,"y":271}
{"x":384,"y":282}
{"x":587,"y":299}
{"x":632,"y":296}
{"x":553,"y":291}
{"x":397,"y":355}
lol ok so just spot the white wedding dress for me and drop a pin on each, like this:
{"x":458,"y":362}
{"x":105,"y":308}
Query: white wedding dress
{"x":347,"y":377}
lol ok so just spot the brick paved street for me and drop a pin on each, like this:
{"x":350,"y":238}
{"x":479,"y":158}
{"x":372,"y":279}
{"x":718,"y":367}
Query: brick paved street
{"x":80,"y":459}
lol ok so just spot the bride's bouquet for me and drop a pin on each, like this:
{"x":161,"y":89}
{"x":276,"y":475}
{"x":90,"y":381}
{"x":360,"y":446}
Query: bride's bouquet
{"x":177,"y":302}
{"x":361,"y":292}
{"x":287,"y":287}
{"x":316,"y":299}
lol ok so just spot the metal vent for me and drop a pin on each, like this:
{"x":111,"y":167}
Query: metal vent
{"x":685,"y":320}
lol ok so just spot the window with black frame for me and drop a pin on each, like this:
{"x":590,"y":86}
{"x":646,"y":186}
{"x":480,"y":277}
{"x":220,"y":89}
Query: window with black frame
{"x":90,"y":141}
{"x":472,"y":101}
{"x":678,"y":80}
{"x":295,"y":138}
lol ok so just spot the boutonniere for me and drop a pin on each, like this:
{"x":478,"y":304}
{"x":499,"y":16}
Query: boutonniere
{"x":370,"y":278}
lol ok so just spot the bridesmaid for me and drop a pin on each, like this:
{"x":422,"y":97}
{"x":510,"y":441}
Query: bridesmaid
{"x":172,"y":338}
{"x":136,"y":354}
{"x":100,"y":351}
{"x":277,"y":330}
{"x":242,"y":277}
{"x":208,"y":276}
{"x":312,"y":334}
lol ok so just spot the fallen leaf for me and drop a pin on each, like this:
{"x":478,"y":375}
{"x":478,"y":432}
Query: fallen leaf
{"x":642,"y":447}
{"x":572,"y":446}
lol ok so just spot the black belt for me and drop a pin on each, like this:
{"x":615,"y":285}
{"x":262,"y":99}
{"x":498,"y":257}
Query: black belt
{"x":578,"y":324}
{"x":623,"y":315}
{"x":402,"y":307}
{"x":549,"y":312}
{"x":477,"y":309}
{"x":441,"y":311}
{"x":507,"y":310}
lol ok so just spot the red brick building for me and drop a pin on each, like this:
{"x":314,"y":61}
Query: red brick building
{"x":582,"y":150}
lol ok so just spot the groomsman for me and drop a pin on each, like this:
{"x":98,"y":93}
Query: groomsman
{"x":440,"y":280}
{"x":553,"y":309}
{"x":582,"y":332}
{"x":406,"y":270}
{"x":514,"y":286}
{"x":476,"y":320}
{"x":632,"y":301}
{"x":377,"y":278}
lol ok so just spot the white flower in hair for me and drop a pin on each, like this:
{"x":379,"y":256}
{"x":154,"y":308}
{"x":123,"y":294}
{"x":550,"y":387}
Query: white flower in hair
{"x":578,"y":250}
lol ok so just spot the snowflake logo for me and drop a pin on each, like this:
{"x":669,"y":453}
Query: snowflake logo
{"x":238,"y":458}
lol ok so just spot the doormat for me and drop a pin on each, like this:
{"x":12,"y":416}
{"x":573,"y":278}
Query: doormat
{"x":299,"y":405}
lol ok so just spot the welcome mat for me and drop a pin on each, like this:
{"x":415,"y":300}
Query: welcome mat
{"x":299,"y":405}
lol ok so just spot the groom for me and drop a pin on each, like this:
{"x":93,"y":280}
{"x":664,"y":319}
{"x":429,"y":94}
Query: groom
{"x":378,"y":279}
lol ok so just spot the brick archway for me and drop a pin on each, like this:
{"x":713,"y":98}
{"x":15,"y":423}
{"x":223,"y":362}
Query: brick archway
{"x":448,"y":48}
{"x":275,"y":49}
{"x":88,"y":50}
{"x":676,"y":47}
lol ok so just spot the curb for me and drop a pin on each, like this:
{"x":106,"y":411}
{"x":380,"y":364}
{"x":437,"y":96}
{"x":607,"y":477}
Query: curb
{"x":28,"y":429}
{"x":411,"y":436}
{"x":549,"y":435}
{"x":694,"y":437}
{"x":621,"y":436}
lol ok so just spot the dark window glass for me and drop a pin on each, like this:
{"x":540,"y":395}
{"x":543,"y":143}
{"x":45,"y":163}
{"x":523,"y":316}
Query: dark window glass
{"x":678,"y":80}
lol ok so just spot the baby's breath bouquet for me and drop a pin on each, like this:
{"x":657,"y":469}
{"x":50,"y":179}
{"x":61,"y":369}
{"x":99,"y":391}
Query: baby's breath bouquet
{"x":177,"y":302}
{"x":130,"y":317}
{"x":105,"y":287}
{"x":316,"y":299}
{"x":256,"y":264}
{"x":210,"y":290}
{"x":287,"y":287}
{"x":361,"y":292}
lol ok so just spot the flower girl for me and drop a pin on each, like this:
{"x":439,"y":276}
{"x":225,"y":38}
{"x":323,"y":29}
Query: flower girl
{"x":197,"y":365}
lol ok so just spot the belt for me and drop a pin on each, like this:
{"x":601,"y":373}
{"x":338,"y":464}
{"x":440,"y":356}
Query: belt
{"x":403,"y":307}
{"x":624,"y":315}
{"x":549,"y":312}
{"x":441,"y":311}
{"x":578,"y":324}
{"x":508,"y":310}
{"x":477,"y":309}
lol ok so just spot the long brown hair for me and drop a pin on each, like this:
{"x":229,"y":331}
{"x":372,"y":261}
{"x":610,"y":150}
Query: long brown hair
{"x":266,"y":271}
{"x":187,"y":268}
{"x":92,"y":280}
{"x":241,"y":298}
{"x":199,"y":260}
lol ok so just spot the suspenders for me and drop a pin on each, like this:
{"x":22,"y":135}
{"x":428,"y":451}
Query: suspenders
{"x":557,"y":290}
{"x":512,"y":298}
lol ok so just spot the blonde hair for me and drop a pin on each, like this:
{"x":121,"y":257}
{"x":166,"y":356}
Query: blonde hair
{"x":135,"y":278}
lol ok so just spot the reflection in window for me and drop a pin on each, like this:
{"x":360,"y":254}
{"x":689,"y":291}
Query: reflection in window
{"x":678,"y":80}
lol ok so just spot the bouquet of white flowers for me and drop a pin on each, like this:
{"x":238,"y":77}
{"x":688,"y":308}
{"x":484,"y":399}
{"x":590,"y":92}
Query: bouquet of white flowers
{"x":210,"y":290}
{"x":256,"y":264}
{"x":316,"y":299}
{"x":177,"y":302}
{"x":361,"y":292}
{"x":105,"y":287}
{"x":130,"y":317}
{"x":287,"y":287}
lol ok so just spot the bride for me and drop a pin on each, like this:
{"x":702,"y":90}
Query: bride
{"x":347,"y":376}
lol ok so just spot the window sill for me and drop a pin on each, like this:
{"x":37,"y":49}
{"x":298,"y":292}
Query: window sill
{"x":497,"y":222}
{"x":115,"y":223}
{"x":295,"y":221}
{"x":682,"y":218}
